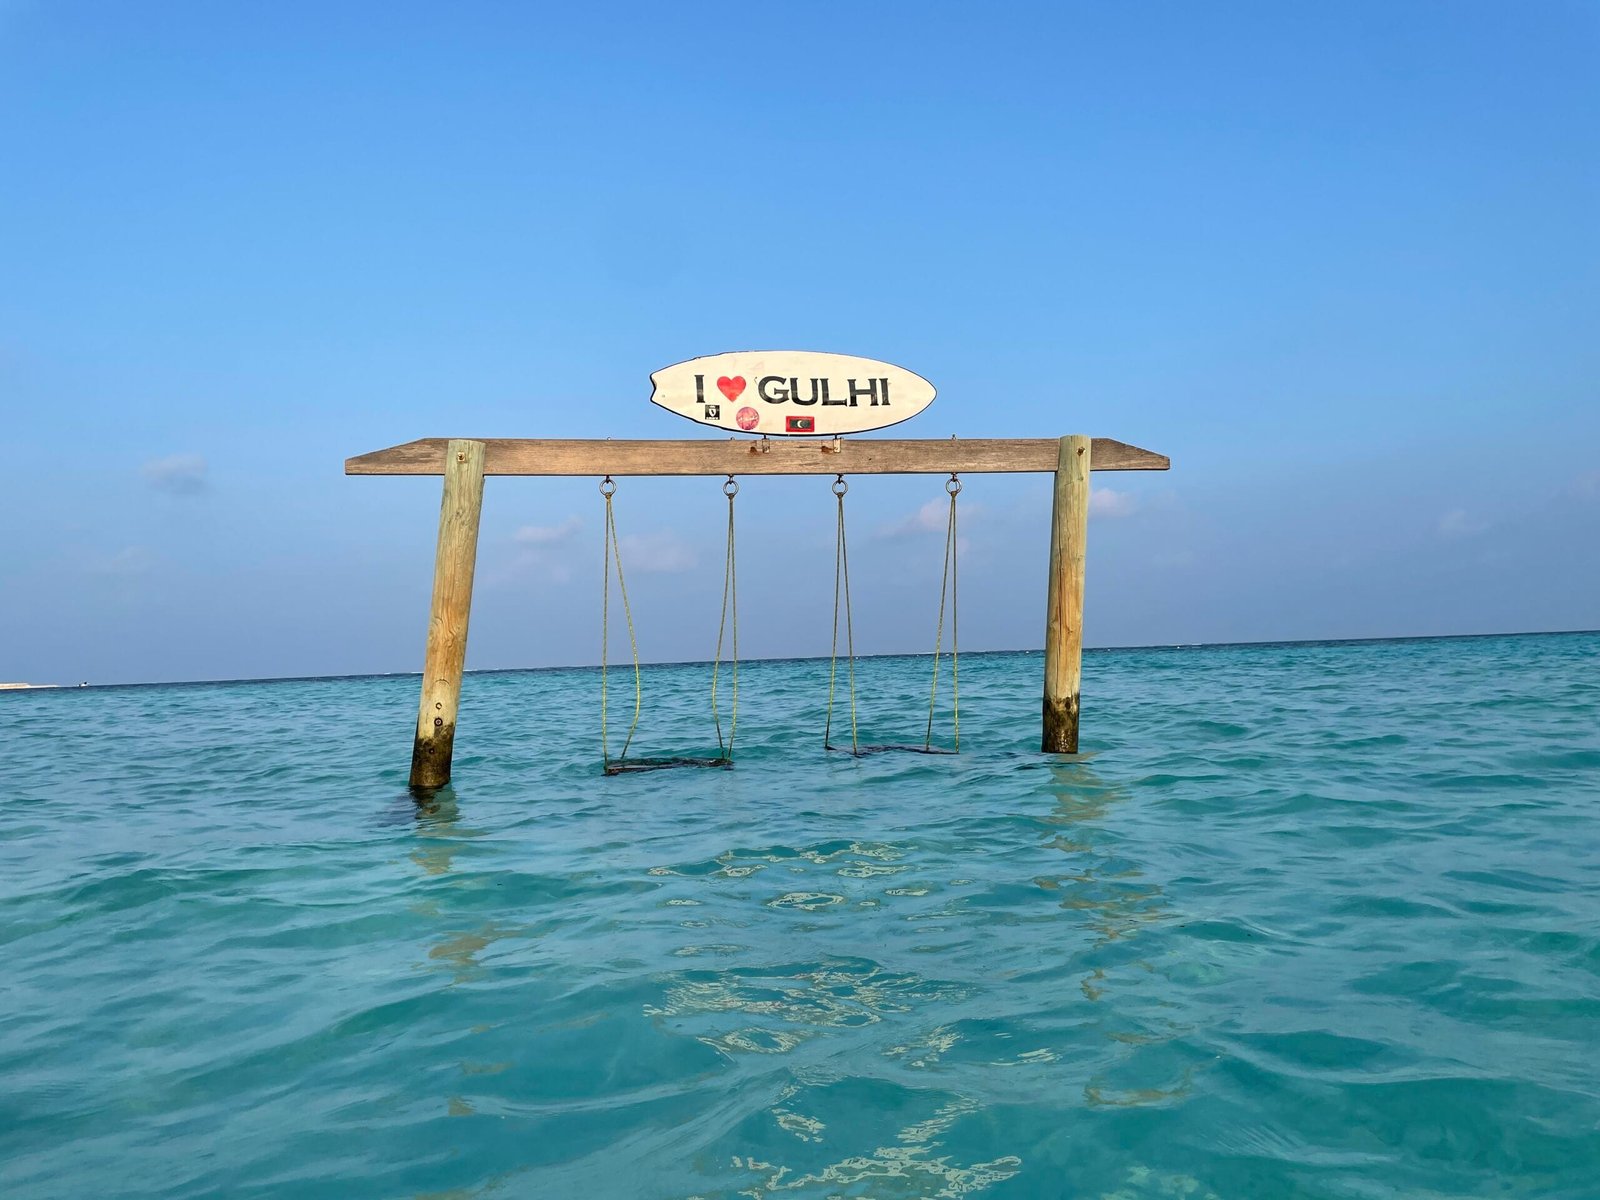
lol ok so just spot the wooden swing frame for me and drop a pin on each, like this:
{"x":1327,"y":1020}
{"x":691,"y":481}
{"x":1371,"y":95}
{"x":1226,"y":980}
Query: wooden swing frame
{"x":465,"y":462}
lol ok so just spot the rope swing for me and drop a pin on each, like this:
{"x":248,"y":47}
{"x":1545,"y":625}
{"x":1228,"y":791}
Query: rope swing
{"x":947,"y":591}
{"x":947,"y":582}
{"x":841,"y":572}
{"x":730,"y":601}
{"x":728,"y":624}
{"x":728,"y":638}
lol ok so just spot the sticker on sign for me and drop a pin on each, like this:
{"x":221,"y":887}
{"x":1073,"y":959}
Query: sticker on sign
{"x":795,"y":393}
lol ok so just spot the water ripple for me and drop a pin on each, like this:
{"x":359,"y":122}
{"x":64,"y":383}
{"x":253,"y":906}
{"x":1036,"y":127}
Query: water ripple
{"x":1303,"y":921}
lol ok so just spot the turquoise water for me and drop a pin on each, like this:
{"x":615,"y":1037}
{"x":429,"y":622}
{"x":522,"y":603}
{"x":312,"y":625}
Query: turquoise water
{"x":1304,"y":921}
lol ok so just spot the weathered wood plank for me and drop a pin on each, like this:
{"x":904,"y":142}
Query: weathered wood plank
{"x":754,"y":456}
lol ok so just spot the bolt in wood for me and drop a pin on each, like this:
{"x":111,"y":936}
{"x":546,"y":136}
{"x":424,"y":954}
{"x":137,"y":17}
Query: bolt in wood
{"x":446,"y":657}
{"x":1063,"y":635}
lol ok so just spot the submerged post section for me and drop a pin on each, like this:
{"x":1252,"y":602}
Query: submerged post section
{"x":454,"y":561}
{"x":1063,"y":633}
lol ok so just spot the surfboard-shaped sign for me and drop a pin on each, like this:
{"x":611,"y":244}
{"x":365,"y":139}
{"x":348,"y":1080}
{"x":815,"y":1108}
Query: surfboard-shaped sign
{"x":791,"y":393}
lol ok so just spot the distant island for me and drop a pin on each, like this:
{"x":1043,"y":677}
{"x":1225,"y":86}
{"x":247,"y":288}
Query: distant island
{"x":17,"y":687}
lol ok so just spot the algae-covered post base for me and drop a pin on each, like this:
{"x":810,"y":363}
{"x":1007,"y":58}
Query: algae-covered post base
{"x":455,"y":559}
{"x":1063,"y":635}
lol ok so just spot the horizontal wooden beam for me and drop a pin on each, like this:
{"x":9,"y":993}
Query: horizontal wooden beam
{"x":754,"y":456}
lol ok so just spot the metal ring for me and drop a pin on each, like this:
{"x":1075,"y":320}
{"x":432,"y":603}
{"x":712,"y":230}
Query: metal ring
{"x":840,"y":487}
{"x":608,"y":487}
{"x":731,"y":488}
{"x":953,"y":484}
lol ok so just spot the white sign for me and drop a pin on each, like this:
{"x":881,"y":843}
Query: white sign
{"x":794,"y":393}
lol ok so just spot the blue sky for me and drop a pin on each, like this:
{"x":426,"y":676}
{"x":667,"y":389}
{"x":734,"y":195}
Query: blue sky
{"x":1341,"y":262}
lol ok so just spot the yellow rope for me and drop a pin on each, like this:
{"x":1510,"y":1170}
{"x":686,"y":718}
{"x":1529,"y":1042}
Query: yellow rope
{"x":955,"y":627}
{"x":613,"y":553}
{"x":841,"y":572}
{"x":947,"y":580}
{"x":730,"y":597}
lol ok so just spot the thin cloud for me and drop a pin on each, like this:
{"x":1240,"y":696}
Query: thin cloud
{"x":543,"y":550}
{"x":547,"y":535}
{"x":130,"y":560}
{"x":663,"y":553}
{"x":932,"y":517}
{"x":1108,"y":502}
{"x":179,"y":474}
{"x":552,"y":553}
{"x":1459,"y":523}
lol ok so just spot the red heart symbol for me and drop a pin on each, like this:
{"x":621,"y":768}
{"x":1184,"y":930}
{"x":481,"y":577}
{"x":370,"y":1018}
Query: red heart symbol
{"x":731,"y":388}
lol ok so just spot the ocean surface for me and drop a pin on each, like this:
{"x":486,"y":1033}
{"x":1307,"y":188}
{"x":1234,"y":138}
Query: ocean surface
{"x":1313,"y":920}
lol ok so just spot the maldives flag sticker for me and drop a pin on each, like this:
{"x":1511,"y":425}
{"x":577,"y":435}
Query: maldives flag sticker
{"x":799,"y":424}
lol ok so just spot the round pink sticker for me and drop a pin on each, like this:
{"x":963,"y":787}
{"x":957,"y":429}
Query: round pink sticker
{"x":748,"y":418}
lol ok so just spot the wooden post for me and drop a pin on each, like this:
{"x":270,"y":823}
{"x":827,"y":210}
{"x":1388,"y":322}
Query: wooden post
{"x":1063,"y":634}
{"x":454,"y":561}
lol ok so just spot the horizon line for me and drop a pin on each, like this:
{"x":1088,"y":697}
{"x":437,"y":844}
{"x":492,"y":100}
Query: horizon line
{"x":692,"y":662}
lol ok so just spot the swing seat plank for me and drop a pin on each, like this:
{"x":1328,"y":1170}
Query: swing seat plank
{"x":627,"y":766}
{"x":890,"y":748}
